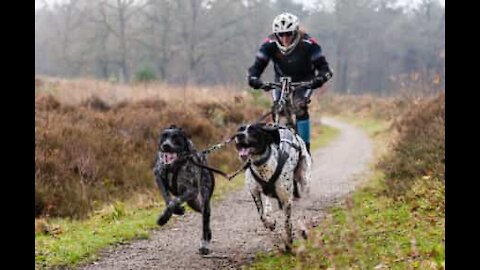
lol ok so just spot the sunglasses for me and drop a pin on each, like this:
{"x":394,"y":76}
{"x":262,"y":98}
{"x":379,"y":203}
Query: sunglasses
{"x":285,"y":34}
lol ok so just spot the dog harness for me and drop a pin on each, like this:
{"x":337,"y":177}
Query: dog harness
{"x":268,"y":187}
{"x":286,"y":136}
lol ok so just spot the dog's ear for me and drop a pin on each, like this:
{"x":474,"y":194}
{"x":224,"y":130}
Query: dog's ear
{"x":160,"y":135}
{"x":241,"y":129}
{"x":269,"y":127}
{"x":172,"y":126}
{"x":183,"y":132}
{"x":272,"y":130}
{"x":188,"y":140}
{"x":190,"y":146}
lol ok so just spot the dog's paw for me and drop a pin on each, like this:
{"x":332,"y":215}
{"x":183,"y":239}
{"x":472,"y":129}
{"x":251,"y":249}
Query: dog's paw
{"x":304,"y":234}
{"x":179,"y":210}
{"x":203,"y":251}
{"x":163,"y":219}
{"x":270,"y":224}
{"x":296,"y":193}
{"x":288,"y":248}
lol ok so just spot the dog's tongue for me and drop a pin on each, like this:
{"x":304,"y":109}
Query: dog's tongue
{"x":244,"y":153}
{"x":169,"y":158}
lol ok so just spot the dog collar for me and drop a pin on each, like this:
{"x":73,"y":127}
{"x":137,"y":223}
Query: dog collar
{"x":265,"y":156}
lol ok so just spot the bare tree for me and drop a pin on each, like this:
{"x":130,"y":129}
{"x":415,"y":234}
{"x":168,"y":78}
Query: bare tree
{"x":159,"y":15}
{"x":367,"y":42}
{"x":62,"y":36}
{"x":116,"y":16}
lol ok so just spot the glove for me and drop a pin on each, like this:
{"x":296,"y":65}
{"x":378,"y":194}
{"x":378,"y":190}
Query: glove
{"x":307,"y":100}
{"x":318,"y":82}
{"x":267,"y":87}
{"x":255,"y":83}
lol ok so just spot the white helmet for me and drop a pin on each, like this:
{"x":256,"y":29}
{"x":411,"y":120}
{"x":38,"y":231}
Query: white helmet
{"x":286,"y":22}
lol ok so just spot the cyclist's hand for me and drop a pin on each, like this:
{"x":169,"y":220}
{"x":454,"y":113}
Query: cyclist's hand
{"x":255,"y":83}
{"x":267,"y":87}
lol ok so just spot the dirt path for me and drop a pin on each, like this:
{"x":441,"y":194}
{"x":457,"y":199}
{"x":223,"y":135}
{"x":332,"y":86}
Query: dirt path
{"x":238,"y":233}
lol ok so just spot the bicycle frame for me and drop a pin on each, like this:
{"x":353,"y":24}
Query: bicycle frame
{"x":284,"y":105}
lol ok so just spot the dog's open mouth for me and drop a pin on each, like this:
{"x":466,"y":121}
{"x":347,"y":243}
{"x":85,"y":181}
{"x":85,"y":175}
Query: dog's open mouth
{"x":169,"y":158}
{"x":245,"y":153}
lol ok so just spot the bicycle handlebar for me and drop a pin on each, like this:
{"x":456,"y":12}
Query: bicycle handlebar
{"x":271,"y":85}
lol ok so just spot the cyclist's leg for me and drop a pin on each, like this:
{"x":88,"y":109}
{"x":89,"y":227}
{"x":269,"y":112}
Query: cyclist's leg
{"x":302,"y":117}
{"x":275,"y":94}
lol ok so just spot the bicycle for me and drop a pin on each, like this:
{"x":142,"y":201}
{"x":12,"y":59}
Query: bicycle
{"x":285,"y":106}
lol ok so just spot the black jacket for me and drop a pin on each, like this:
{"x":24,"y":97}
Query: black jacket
{"x":305,"y":63}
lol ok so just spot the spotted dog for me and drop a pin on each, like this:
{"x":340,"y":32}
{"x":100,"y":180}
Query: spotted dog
{"x":280,"y":168}
{"x":177,"y":174}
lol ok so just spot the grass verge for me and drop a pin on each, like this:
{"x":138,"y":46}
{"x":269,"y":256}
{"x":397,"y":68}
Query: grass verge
{"x":372,"y":230}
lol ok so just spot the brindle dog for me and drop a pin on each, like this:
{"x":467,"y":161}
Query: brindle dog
{"x":177,"y":174}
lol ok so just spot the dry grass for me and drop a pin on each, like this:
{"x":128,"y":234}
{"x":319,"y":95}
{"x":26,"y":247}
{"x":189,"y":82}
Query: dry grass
{"x":77,"y":91}
{"x":89,"y":152}
{"x":366,"y":106}
{"x":419,"y":149}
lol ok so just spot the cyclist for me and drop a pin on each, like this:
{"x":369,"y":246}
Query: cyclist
{"x":297,"y":55}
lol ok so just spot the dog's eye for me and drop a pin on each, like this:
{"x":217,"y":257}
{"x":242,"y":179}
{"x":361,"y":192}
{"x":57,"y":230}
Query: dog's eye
{"x":177,"y":140}
{"x":240,"y":137}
